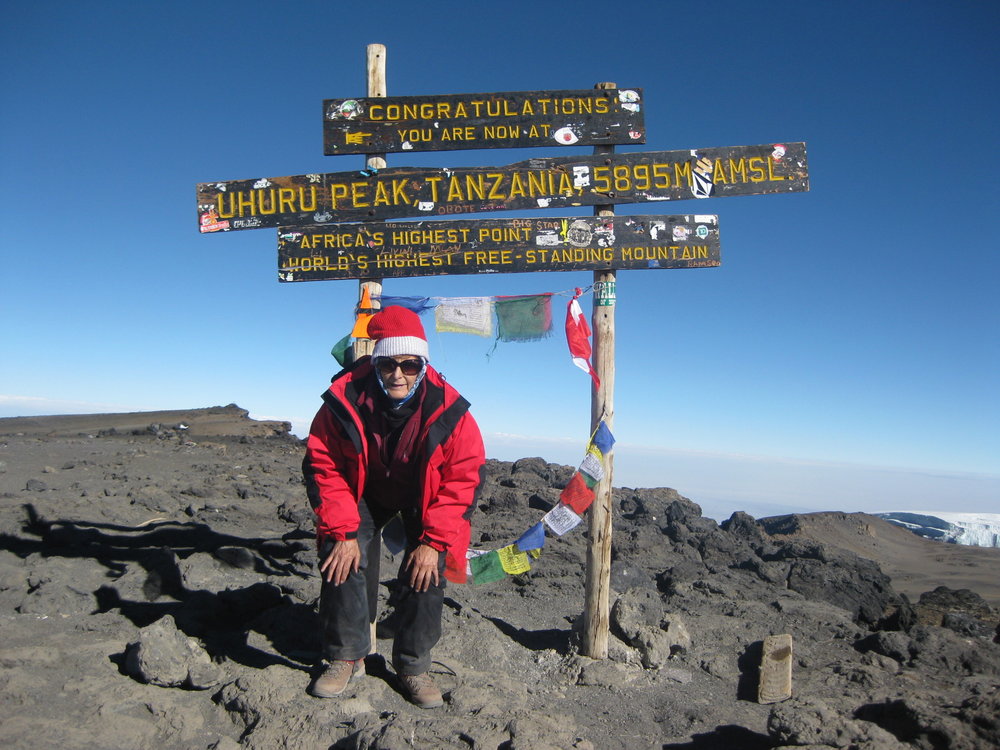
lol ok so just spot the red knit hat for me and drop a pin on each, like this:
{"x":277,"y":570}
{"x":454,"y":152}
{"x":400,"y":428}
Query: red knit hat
{"x":396,"y":331}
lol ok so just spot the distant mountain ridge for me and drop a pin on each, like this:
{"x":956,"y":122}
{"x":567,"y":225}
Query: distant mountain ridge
{"x":212,"y":421}
{"x":972,"y":529}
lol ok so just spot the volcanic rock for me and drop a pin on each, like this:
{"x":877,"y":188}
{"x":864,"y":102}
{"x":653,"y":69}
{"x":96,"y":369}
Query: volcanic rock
{"x":164,"y":656}
{"x":175,"y":550}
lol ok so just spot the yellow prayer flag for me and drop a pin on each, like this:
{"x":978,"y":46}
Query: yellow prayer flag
{"x":513,"y":562}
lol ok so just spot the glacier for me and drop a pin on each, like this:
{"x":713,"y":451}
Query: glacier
{"x":974,"y":529}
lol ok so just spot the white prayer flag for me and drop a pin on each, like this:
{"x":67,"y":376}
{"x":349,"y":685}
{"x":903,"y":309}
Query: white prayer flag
{"x":465,"y":315}
{"x":592,"y":467}
{"x":561,"y":519}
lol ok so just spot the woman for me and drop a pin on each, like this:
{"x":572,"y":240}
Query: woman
{"x":392,"y":438}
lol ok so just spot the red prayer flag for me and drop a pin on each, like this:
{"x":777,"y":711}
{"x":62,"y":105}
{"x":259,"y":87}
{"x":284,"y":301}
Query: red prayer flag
{"x":578,"y":338}
{"x":454,"y":569}
{"x":577,"y":494}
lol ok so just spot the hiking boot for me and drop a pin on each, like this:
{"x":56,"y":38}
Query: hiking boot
{"x":334,"y":678}
{"x":421,"y":690}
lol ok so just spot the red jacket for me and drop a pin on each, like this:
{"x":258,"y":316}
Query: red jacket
{"x":336,"y":464}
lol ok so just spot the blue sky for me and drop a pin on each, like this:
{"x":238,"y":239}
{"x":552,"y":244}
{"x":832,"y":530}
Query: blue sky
{"x":844,"y":356}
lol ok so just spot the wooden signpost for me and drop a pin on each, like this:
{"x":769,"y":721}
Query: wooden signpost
{"x":377,"y":88}
{"x":462,"y":246}
{"x":597,"y":589}
{"x":314,"y":243}
{"x":562,"y":182}
{"x":515,"y":119}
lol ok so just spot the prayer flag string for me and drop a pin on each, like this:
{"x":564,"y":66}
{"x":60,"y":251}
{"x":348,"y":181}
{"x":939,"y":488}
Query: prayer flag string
{"x":487,"y":566}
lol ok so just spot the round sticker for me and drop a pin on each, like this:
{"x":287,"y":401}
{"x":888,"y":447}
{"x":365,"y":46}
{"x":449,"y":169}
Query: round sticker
{"x":565,"y":136}
{"x":348,"y":109}
{"x":579,"y":233}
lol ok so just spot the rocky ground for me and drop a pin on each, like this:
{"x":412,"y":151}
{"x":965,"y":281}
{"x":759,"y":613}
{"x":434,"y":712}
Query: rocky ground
{"x":158,"y":584}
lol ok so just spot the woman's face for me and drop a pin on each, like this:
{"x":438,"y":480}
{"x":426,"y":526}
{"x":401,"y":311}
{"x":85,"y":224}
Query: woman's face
{"x":399,"y":373}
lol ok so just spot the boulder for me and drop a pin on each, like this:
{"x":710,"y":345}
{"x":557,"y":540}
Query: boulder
{"x":814,"y":724}
{"x":162,"y":655}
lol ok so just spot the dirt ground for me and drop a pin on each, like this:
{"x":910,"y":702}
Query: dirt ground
{"x":158,"y":589}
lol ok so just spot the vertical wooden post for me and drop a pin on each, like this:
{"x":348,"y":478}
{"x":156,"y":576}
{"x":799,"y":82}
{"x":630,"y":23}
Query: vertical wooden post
{"x":376,"y":87}
{"x":602,"y":406}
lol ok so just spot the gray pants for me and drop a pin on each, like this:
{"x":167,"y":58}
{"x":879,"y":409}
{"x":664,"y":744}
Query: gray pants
{"x":346,"y":611}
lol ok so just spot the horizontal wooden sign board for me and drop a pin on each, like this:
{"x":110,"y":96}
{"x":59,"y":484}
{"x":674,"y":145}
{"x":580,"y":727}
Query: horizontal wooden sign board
{"x":514,"y":119}
{"x":463,"y":246}
{"x":561,"y":182}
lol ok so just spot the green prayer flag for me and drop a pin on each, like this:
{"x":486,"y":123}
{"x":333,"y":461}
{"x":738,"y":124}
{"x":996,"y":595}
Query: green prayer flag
{"x":339,"y":350}
{"x":487,"y":568}
{"x":526,"y":318}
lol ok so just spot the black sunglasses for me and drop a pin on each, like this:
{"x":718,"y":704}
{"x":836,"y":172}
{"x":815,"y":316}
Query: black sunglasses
{"x":387,"y":366}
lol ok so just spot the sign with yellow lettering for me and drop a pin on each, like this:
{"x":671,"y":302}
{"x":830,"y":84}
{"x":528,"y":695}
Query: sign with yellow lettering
{"x":514,"y":119}
{"x":311,"y":199}
{"x":431,"y":248}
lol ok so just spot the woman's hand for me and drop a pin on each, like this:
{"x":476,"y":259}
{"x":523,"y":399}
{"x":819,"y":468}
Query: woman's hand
{"x":344,"y":558}
{"x":423,"y":566}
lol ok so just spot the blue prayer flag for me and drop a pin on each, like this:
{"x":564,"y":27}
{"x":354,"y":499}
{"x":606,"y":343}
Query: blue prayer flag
{"x":413,"y":304}
{"x":533,"y":538}
{"x":603,"y":439}
{"x":394,"y":535}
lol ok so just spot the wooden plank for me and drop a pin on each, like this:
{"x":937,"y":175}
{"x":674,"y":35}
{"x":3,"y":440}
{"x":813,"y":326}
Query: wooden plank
{"x":775,"y":669}
{"x":562,"y":182}
{"x":466,"y":246}
{"x":510,"y":119}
